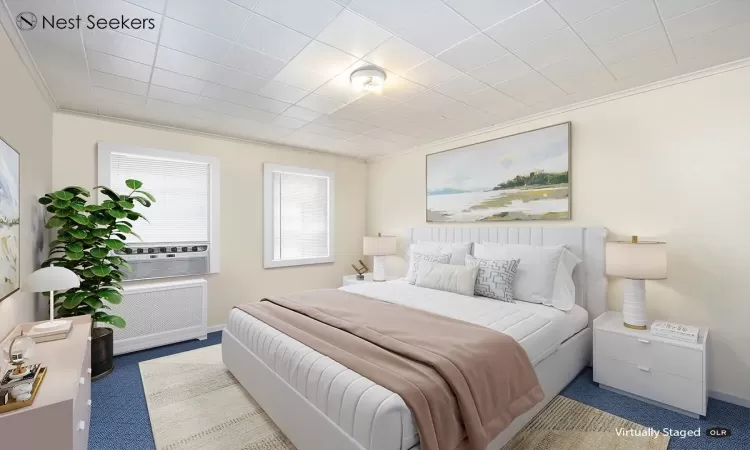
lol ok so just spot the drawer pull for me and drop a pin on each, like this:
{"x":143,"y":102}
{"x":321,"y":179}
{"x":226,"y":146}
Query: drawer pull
{"x":644,"y":341}
{"x":82,"y":381}
{"x":81,"y":425}
{"x":644,"y":369}
{"x":89,"y":402}
{"x":89,"y":338}
{"x":88,"y":371}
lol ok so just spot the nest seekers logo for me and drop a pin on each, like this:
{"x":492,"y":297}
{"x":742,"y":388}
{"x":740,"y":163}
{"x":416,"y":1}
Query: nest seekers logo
{"x":26,"y":21}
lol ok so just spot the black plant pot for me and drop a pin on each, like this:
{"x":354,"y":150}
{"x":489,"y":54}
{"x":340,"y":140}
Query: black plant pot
{"x":102,"y":349}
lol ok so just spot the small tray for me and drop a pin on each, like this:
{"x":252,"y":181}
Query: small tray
{"x":14,"y":404}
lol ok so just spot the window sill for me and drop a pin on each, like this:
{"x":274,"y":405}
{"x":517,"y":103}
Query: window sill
{"x":272,"y":264}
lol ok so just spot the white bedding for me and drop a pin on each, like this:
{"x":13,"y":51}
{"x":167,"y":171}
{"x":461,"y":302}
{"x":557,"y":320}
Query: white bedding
{"x":374,"y":416}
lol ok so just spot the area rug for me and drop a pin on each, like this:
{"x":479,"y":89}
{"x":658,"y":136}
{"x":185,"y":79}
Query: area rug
{"x":195,"y":403}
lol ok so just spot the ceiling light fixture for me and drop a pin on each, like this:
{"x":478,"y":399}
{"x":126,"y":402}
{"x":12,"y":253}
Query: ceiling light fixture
{"x":368,"y":79}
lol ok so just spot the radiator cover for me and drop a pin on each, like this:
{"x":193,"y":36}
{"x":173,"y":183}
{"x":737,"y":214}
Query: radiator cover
{"x":160,"y":313}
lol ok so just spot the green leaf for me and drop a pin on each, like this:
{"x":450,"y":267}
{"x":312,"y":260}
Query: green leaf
{"x":108,"y":204}
{"x":99,"y":252}
{"x":80,"y":219}
{"x":75,"y":256}
{"x":116,"y":321}
{"x":93,"y":208}
{"x":123,"y":228}
{"x":78,"y":207}
{"x":117,"y":213}
{"x":149,"y":196}
{"x":108,"y":192}
{"x":93,"y":302}
{"x":63,"y":195}
{"x":78,"y":234}
{"x":114,"y":244}
{"x":55,"y":222}
{"x":75,"y":247}
{"x":133,"y":184}
{"x":100,"y":232}
{"x":77,"y":190}
{"x":65,"y":212}
{"x":101,"y":271}
{"x":60,"y":203}
{"x":142,"y":201}
{"x":126,"y":204}
{"x":74,"y":300}
{"x":135,"y":215}
{"x":87,"y":274}
{"x":111,"y":296}
{"x":45,"y":200}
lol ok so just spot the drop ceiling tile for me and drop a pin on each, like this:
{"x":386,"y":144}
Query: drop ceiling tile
{"x":372,"y":103}
{"x":394,"y":15}
{"x":625,"y":18}
{"x":574,"y":11}
{"x":118,"y":9}
{"x":673,"y":8}
{"x":452,"y":29}
{"x":395,"y":114}
{"x":530,"y":88}
{"x":193,"y":41}
{"x":236,"y":79}
{"x":642,"y":64}
{"x":353,"y":34}
{"x":390,"y":136}
{"x":397,"y":56}
{"x":253,"y":62}
{"x":172,"y":95}
{"x":341,"y":124}
{"x":340,"y":88}
{"x":326,"y":131}
{"x":217,"y":16}
{"x":552,"y":48}
{"x":527,"y":26}
{"x":298,"y":77}
{"x":705,"y":50}
{"x":108,"y":96}
{"x":460,"y":87}
{"x":472,"y":53}
{"x":109,"y":81}
{"x":709,"y":18}
{"x":283,"y":92}
{"x":183,"y":63}
{"x":485,"y":13}
{"x":300,"y":113}
{"x":322,"y":58}
{"x":156,"y":6}
{"x":120,"y":45}
{"x":244,"y":98}
{"x":501,"y":69}
{"x":492,"y":101}
{"x":289,"y":122}
{"x":306,"y":16}
{"x":247,"y":4}
{"x":320,"y":104}
{"x":430,"y":101}
{"x":118,"y":66}
{"x":233,"y":109}
{"x":173,"y":80}
{"x":632,"y":44}
{"x":399,"y":88}
{"x":577,"y":72}
{"x":271,"y":38}
{"x":432,"y":72}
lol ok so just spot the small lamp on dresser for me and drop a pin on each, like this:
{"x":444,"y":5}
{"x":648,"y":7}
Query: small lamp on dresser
{"x":379,"y":247}
{"x":51,"y":279}
{"x":636,"y":261}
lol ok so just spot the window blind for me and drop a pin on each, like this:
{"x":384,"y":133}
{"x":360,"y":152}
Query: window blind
{"x":181,"y":189}
{"x":300,"y":216}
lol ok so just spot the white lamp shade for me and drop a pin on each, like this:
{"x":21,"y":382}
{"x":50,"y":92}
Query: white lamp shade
{"x":51,"y":279}
{"x":379,"y":245}
{"x":637,"y":261}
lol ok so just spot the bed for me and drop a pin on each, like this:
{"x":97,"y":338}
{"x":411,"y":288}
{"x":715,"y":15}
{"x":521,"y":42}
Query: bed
{"x":320,"y":404}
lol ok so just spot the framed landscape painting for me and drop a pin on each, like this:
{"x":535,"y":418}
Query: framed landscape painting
{"x":9,"y":220}
{"x":520,"y":177}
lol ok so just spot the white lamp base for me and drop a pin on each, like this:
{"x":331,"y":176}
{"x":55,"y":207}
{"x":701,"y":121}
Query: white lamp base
{"x":634,"y":304}
{"x":52,"y":326}
{"x":378,"y":268}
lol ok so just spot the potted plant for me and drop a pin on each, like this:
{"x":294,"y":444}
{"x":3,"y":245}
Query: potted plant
{"x":87,"y":234}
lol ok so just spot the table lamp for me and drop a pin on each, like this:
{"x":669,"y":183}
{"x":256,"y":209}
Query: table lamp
{"x":51,"y":279}
{"x":379,"y":247}
{"x":636,"y":261}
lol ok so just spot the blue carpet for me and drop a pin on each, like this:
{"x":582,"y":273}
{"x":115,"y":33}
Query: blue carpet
{"x":119,"y":417}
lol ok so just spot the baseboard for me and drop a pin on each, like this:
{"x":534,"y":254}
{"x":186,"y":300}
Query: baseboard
{"x":215,"y":328}
{"x":729,"y":398}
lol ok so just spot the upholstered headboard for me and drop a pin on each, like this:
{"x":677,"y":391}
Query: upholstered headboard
{"x":586,"y":243}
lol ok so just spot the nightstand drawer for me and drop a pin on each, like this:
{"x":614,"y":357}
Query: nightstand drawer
{"x":643,"y":351}
{"x":650,"y":383}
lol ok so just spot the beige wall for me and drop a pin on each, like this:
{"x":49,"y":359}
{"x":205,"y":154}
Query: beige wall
{"x":26,"y":125}
{"x":673,"y":164}
{"x":242,"y":278}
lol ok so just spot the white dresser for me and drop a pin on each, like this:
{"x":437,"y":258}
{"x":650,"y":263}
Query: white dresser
{"x":59,"y":417}
{"x":666,"y":372}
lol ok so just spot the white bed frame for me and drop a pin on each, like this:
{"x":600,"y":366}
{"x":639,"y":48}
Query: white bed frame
{"x":309,"y":429}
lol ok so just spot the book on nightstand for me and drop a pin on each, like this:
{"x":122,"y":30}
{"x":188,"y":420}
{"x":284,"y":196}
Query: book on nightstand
{"x":687,"y":333}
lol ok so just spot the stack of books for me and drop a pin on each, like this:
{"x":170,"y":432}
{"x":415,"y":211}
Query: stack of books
{"x":687,"y":333}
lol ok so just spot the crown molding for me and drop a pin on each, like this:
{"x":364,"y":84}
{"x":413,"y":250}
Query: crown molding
{"x":68,"y":112}
{"x":9,"y":25}
{"x":684,"y":78}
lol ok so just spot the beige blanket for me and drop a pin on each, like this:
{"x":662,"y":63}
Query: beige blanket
{"x":463,"y":383}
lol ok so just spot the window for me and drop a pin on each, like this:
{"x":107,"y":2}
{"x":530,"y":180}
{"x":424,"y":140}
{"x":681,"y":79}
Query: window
{"x":298,"y":207}
{"x":186,"y":188}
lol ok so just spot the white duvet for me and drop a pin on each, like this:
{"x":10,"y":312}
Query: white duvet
{"x":374,"y":416}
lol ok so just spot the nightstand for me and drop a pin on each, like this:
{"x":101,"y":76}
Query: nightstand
{"x":661,"y":371}
{"x":348,"y":280}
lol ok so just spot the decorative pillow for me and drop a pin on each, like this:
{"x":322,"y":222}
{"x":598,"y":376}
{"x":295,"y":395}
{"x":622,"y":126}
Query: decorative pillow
{"x":564,"y":291}
{"x":495,"y":277}
{"x":411,"y":277}
{"x":447,"y":277}
{"x":457,"y":250}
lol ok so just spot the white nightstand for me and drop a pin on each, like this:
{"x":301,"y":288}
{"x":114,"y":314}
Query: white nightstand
{"x":352,"y":279}
{"x":665,"y":372}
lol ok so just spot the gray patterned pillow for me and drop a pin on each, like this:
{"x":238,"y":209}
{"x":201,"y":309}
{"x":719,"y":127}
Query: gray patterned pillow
{"x":495,"y":278}
{"x":416,"y":257}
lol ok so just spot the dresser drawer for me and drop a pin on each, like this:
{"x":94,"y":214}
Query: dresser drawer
{"x":646,"y":352}
{"x":650,"y":383}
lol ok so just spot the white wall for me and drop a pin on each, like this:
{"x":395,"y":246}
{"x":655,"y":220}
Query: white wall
{"x":673,"y":164}
{"x":242,"y":278}
{"x":26,"y":125}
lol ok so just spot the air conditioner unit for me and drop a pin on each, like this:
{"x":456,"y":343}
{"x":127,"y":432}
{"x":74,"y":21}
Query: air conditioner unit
{"x":165,"y":260}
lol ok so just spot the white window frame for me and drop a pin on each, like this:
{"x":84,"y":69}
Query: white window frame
{"x":104,"y":164}
{"x":268,"y":228}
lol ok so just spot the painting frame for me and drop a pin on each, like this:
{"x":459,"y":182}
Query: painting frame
{"x":569,"y":217}
{"x":4,"y":294}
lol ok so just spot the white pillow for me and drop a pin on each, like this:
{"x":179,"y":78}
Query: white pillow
{"x":458,"y":251}
{"x":411,"y":277}
{"x":447,"y":277}
{"x":545,"y":274}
